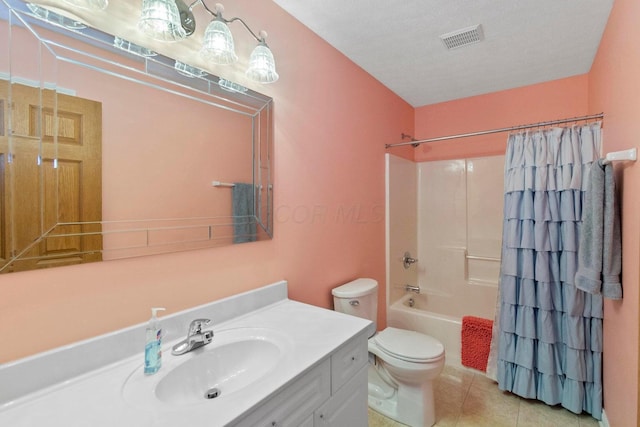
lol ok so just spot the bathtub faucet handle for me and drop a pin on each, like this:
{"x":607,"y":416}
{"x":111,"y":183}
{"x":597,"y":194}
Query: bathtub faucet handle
{"x":407,"y":260}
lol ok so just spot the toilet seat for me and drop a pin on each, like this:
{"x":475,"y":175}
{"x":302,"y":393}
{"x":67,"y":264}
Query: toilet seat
{"x":409,"y":346}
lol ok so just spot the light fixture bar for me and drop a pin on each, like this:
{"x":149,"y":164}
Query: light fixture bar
{"x":218,"y":45}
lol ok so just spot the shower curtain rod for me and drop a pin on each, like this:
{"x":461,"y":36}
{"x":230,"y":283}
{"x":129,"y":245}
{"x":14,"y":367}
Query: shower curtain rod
{"x":415,"y":143}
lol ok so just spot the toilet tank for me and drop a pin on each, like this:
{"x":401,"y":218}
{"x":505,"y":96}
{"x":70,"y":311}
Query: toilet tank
{"x":358,"y":298}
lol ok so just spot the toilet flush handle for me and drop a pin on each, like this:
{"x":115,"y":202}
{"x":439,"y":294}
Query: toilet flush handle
{"x":354,"y":302}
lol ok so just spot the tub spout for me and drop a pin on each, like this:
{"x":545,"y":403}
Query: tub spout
{"x":412,"y":288}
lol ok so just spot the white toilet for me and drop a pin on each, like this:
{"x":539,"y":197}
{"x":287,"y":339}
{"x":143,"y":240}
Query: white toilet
{"x":403,"y":364}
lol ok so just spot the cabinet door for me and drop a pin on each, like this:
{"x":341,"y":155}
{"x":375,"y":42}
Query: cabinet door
{"x":308,"y":422}
{"x":347,"y":407}
{"x":347,"y":361}
{"x":294,"y":405}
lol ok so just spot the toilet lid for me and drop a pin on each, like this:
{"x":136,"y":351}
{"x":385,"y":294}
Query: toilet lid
{"x":409,"y":345}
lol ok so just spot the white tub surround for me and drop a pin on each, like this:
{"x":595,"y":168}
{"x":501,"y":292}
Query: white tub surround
{"x":84,"y":384}
{"x":448,"y":215}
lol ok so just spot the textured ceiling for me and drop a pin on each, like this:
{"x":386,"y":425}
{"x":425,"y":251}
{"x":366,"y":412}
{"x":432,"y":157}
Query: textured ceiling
{"x":398,"y":43}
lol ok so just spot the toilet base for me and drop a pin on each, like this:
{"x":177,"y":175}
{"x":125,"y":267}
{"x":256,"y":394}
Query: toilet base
{"x":382,"y":397}
{"x":413,"y":406}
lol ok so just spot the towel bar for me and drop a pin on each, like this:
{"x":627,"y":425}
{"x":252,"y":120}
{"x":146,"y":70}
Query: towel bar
{"x":630,"y":154}
{"x":222,"y":184}
{"x":482,"y":258}
{"x":229,"y":184}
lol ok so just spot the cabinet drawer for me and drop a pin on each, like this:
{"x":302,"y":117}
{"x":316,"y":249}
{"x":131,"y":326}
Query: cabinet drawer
{"x":292,"y":406}
{"x":347,"y":360}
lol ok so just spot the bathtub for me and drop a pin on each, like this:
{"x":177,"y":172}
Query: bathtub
{"x":444,"y":328}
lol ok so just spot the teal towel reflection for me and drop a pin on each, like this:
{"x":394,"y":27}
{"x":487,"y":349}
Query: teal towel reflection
{"x":242,"y":208}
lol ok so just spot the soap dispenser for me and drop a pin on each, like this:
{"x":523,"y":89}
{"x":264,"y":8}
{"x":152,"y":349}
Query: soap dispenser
{"x":152,"y":348}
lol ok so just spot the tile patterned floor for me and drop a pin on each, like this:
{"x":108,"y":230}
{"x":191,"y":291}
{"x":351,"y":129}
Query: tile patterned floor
{"x":468,"y":399}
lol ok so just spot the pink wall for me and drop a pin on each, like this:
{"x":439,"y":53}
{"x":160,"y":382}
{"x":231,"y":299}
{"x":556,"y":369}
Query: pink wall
{"x":556,"y":99}
{"x":331,"y":123}
{"x":614,"y":87}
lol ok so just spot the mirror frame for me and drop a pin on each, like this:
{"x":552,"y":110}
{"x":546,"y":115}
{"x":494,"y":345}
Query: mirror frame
{"x":159,"y":72}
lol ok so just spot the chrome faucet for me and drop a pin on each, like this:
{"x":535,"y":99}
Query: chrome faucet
{"x":196,"y":338}
{"x":407,"y":260}
{"x":412,"y":288}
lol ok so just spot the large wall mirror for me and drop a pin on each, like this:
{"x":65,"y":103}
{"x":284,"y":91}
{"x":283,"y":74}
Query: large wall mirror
{"x":111,"y":150}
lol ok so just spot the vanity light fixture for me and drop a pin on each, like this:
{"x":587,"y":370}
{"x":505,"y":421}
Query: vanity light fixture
{"x":173,"y":20}
{"x":160,"y":20}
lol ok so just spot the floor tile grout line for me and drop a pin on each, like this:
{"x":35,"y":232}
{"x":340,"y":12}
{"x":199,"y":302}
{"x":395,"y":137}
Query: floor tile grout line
{"x":464,"y":399}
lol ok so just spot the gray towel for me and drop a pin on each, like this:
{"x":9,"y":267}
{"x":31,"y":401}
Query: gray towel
{"x":242,"y":207}
{"x":600,"y":250}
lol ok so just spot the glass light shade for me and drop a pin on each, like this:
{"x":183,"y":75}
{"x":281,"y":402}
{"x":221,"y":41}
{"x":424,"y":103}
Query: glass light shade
{"x":161,"y":20}
{"x":262,"y":65}
{"x":218,"y":45}
{"x":89,"y":4}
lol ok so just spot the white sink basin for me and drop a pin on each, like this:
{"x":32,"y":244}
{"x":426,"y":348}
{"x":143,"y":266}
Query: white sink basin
{"x":234,"y":360}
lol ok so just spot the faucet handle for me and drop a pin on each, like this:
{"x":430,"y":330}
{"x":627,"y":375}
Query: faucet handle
{"x":195,"y":327}
{"x":407,"y":260}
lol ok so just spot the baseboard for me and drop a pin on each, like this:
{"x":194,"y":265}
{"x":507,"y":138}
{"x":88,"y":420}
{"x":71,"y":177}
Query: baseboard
{"x":605,"y":421}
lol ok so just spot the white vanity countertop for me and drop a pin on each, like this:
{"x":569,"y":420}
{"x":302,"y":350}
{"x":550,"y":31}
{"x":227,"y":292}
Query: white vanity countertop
{"x":96,"y":398}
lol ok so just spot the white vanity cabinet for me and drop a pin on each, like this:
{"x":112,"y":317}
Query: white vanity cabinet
{"x":348,"y":406}
{"x":347,"y":360}
{"x":318,"y":377}
{"x":333,"y":393}
{"x":295,"y":403}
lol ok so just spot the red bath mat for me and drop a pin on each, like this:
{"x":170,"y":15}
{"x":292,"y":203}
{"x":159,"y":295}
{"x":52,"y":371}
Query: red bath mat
{"x":476,"y":339}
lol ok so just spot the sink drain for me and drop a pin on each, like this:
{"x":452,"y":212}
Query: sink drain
{"x":212,"y":393}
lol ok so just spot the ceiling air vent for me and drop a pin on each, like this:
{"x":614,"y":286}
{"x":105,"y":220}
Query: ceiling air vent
{"x":463,"y":37}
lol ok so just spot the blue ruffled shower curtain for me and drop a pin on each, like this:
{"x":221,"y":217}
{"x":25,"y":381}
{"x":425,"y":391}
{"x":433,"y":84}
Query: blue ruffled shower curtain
{"x":548,"y":332}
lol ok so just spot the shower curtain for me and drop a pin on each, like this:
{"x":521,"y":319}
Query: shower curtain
{"x":547,"y":342}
